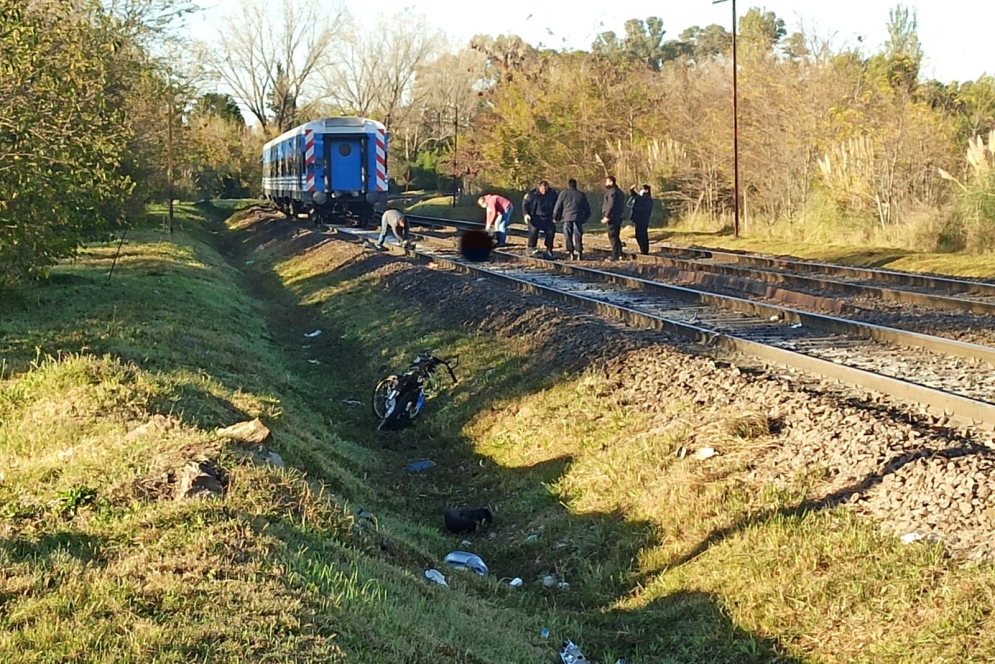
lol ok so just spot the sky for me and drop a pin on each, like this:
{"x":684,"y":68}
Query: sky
{"x":955,"y":34}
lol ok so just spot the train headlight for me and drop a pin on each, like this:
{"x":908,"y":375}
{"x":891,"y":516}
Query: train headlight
{"x":319,"y":198}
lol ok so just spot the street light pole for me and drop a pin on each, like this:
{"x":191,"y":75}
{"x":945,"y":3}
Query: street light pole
{"x":169,"y":161}
{"x":455,"y":145}
{"x":735,"y":121}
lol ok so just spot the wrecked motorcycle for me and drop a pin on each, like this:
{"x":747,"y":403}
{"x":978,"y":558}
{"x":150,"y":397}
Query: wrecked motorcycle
{"x":398,"y":399}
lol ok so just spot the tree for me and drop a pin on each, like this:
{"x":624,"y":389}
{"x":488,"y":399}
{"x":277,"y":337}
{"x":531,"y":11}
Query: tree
{"x":61,"y":134}
{"x":376,"y":74}
{"x":261,"y":48}
{"x":642,"y":43}
{"x":708,"y":42}
{"x":221,"y":106}
{"x":903,"y":53}
{"x":761,"y":30}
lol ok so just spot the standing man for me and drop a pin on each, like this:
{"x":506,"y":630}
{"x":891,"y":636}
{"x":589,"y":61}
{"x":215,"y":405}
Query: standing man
{"x":499,"y":211}
{"x":394,"y":220}
{"x":612,"y":210}
{"x":641,"y":203}
{"x":573,"y":210}
{"x":538,"y":207}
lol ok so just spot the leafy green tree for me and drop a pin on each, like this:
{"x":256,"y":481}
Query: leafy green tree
{"x":642,"y":43}
{"x":61,"y":135}
{"x":708,"y":42}
{"x":220,"y":106}
{"x":761,"y":30}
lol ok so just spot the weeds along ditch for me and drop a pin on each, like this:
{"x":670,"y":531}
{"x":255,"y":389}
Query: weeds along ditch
{"x":665,"y":558}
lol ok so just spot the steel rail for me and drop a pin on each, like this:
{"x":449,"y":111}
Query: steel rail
{"x":964,"y":410}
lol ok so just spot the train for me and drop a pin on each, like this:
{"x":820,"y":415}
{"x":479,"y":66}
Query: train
{"x":333,"y":169}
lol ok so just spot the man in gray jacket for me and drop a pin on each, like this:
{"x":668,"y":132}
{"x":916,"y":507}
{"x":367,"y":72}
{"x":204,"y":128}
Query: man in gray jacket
{"x":612,"y":210}
{"x":573,"y":210}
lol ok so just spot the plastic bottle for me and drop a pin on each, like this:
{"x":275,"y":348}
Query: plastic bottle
{"x":467,"y":561}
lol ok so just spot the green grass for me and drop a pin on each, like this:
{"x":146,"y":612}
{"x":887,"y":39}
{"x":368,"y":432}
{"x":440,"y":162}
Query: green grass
{"x":667,"y":560}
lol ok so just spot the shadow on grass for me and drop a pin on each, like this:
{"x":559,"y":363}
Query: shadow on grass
{"x":84,"y":548}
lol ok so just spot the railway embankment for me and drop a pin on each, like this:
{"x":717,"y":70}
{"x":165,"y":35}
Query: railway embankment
{"x":659,"y":502}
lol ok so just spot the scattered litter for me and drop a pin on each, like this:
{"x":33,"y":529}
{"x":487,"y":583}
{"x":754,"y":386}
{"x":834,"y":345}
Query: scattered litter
{"x":531,"y":539}
{"x":621,"y":661}
{"x":312,"y":335}
{"x":466,"y":560}
{"x":313,"y":361}
{"x":775,"y":317}
{"x":796,"y":326}
{"x":363,"y":514}
{"x":682,"y":452}
{"x":481,"y":278}
{"x":436,"y":575}
{"x":249,"y":262}
{"x":909,"y":538}
{"x":433,"y":264}
{"x":571,"y":654}
{"x":544,"y":633}
{"x":306,"y":346}
{"x":704,"y":453}
{"x":549,"y":581}
{"x":563,"y":584}
{"x":421,"y":465}
{"x":465,"y":543}
{"x":515,"y":583}
{"x":352,"y":402}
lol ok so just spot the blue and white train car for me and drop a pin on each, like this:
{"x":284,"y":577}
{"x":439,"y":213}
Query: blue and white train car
{"x":332,"y":169}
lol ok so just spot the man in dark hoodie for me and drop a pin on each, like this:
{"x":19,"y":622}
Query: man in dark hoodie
{"x":538,"y":207}
{"x":641,"y":203}
{"x":612,"y":210}
{"x":573,"y":210}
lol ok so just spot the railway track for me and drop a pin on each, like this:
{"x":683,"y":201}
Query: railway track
{"x":948,"y":377}
{"x":969,"y":296}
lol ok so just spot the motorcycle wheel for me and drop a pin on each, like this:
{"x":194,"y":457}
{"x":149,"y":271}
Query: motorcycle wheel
{"x":381,"y":395}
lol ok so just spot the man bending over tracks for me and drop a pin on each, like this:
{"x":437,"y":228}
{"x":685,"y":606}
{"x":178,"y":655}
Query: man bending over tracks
{"x":393,"y":219}
{"x":499,"y":211}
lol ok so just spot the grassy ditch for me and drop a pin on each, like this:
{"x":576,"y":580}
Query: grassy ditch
{"x":666,"y":561}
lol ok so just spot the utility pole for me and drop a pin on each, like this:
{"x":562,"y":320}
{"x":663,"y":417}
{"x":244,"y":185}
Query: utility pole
{"x":735,"y":120}
{"x":169,"y":162}
{"x":455,"y":145}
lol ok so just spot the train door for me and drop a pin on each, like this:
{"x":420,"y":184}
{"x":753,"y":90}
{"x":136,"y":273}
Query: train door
{"x":345,"y":163}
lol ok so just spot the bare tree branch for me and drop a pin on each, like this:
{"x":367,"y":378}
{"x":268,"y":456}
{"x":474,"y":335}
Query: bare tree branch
{"x":262,"y":46}
{"x":377,"y":73}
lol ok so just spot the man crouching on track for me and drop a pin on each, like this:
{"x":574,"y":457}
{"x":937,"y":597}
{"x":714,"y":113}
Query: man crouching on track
{"x":393,"y":219}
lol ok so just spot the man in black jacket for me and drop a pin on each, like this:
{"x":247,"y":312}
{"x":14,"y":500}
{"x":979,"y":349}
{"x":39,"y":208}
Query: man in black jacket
{"x":538,"y":207}
{"x":641,"y":203}
{"x":612,"y":210}
{"x":573,"y":210}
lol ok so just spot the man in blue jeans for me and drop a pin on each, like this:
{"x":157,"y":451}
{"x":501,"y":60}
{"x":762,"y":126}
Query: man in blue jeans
{"x":573,"y":209}
{"x":498,"y":217}
{"x":393,"y":220}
